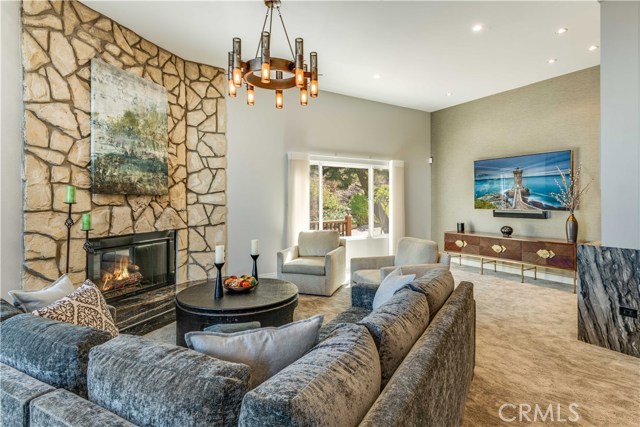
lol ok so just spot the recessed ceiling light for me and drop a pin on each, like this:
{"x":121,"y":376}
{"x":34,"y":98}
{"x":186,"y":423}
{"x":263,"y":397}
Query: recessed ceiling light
{"x":561,"y":30}
{"x":376,"y":76}
{"x":449,"y":93}
{"x":552,"y":61}
{"x":594,"y":47}
{"x":477,"y":28}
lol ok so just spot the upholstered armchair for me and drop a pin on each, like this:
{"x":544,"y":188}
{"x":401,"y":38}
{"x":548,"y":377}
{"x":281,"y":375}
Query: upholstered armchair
{"x":414,"y":256}
{"x":316,"y":264}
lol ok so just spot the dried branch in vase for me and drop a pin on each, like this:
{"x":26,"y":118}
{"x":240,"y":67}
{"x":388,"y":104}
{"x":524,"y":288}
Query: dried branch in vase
{"x":571,"y":190}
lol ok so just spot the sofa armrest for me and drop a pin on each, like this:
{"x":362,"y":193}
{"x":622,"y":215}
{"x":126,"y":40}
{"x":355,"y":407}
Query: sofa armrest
{"x":335,"y":264}
{"x":362,"y":295}
{"x":444,"y":258}
{"x":286,"y":255}
{"x":8,"y":310}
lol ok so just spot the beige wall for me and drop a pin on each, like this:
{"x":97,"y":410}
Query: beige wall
{"x":556,"y":114}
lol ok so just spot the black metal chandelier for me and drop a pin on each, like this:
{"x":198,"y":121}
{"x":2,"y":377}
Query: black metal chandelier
{"x":258,"y":72}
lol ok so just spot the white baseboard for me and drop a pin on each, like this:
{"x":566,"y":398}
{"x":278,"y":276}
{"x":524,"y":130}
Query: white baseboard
{"x":543,"y":273}
{"x":268,"y":275}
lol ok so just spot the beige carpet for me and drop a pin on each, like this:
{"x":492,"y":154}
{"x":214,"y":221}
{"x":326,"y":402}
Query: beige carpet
{"x":527,"y":354}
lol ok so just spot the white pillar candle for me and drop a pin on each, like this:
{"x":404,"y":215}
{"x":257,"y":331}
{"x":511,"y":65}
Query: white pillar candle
{"x":219,"y":254}
{"x":255,"y":247}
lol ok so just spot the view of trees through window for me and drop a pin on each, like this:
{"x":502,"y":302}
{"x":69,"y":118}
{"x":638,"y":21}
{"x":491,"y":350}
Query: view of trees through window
{"x":350,"y":191}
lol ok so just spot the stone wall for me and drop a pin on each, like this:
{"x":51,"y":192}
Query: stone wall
{"x":59,"y":39}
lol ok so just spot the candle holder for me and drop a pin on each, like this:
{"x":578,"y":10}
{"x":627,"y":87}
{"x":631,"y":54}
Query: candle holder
{"x":69,"y":223}
{"x":219,"y":291}
{"x":254,"y":271}
{"x":88,"y":248}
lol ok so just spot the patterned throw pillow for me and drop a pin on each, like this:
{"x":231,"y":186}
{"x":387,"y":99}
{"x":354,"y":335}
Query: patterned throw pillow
{"x":85,"y":307}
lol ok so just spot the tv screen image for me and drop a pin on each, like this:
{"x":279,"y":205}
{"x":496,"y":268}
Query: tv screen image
{"x":520,"y":182}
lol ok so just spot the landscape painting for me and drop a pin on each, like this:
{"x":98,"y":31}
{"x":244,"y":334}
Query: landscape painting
{"x":520,"y":182}
{"x":128,"y":133}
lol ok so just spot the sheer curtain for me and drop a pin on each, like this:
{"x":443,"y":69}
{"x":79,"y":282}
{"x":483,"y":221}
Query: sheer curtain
{"x":396,"y":204}
{"x":297,"y":196}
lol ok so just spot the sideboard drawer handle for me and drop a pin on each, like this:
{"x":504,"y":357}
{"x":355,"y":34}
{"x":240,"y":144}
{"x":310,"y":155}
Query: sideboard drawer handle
{"x":543,"y":253}
{"x":461,"y":243}
{"x":498,"y":249}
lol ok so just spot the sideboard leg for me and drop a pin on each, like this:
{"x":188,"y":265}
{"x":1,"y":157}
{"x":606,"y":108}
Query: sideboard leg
{"x":481,"y":265}
{"x":521,"y":273}
{"x":575,"y":278}
{"x":535,"y":273}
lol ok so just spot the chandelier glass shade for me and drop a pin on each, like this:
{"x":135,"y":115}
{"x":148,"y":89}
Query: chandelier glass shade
{"x":272,"y":73}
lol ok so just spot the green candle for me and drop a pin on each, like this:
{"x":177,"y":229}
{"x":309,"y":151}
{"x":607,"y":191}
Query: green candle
{"x":71,"y":194}
{"x":86,"y":221}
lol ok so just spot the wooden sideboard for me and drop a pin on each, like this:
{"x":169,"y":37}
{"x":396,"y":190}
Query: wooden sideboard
{"x":531,"y":252}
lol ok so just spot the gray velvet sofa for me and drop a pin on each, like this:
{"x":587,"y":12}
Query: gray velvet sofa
{"x":408,"y":363}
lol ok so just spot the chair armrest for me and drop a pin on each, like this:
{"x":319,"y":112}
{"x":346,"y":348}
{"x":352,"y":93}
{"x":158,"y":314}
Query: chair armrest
{"x":444,"y":258}
{"x":362,"y":295}
{"x":335,"y":264}
{"x":286,"y":255}
{"x":371,"y":263}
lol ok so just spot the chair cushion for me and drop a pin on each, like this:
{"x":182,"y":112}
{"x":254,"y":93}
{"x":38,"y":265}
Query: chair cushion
{"x":390,"y":285}
{"x":396,"y":326}
{"x":313,"y":265}
{"x":317,"y":243}
{"x":333,"y":385}
{"x":53,"y":352}
{"x":416,"y":251}
{"x":437,"y":286}
{"x":27,"y":301}
{"x":369,"y":277}
{"x":17,"y":390}
{"x":266,"y":350}
{"x":155,"y":384}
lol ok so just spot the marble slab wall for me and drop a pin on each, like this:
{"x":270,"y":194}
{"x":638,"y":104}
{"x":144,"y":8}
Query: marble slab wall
{"x":609,"y":280}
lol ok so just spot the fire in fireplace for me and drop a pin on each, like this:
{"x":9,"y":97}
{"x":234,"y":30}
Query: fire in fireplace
{"x":126,"y":265}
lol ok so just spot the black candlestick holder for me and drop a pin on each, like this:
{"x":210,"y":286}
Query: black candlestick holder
{"x":69,"y":223}
{"x":88,"y":248}
{"x":254,"y":271}
{"x":219,"y":292}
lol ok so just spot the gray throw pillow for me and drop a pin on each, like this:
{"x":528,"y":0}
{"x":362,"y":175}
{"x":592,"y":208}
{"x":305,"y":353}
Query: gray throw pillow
{"x":229,"y":328}
{"x":394,"y":281}
{"x":29,"y":301}
{"x":266,"y":350}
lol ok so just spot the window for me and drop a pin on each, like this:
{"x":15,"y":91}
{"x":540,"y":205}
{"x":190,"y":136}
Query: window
{"x":350,"y":198}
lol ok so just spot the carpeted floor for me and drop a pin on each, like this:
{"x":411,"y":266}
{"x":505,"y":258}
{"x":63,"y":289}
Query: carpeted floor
{"x":527,"y":354}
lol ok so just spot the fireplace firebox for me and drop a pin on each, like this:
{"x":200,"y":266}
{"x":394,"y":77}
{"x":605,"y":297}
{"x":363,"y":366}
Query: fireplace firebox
{"x":123,"y":266}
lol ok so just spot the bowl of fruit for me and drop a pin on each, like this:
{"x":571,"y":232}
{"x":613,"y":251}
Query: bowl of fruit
{"x":240,"y":284}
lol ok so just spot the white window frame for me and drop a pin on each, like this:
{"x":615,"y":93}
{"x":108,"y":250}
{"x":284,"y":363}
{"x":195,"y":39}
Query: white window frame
{"x":339,"y":162}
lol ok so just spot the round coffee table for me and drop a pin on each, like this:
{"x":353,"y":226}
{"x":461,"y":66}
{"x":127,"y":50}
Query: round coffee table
{"x":271,"y":303}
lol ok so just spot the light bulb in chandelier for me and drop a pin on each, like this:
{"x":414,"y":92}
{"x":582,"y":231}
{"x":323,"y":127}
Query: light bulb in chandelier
{"x":232,"y":89}
{"x":237,"y":62}
{"x":299,"y":63}
{"x":304,"y":93}
{"x":251,"y":95}
{"x":265,"y":67}
{"x":314,"y":74}
{"x":232,"y":86}
{"x":279,"y":95}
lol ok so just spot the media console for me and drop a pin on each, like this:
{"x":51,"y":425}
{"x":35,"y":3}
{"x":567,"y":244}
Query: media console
{"x":531,"y":252}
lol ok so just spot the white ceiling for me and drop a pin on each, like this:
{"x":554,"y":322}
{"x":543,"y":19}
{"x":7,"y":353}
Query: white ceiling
{"x":421,"y":50}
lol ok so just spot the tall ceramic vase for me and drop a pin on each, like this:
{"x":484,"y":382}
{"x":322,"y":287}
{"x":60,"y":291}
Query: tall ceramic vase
{"x":572,"y":229}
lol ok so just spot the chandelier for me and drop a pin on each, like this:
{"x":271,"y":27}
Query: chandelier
{"x":273,"y":73}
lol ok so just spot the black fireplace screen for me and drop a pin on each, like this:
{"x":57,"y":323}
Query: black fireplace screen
{"x":126,"y":265}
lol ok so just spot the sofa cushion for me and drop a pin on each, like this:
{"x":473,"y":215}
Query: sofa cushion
{"x":352,"y":315}
{"x":416,"y":251}
{"x":27,"y":301}
{"x":155,"y":384}
{"x":317,"y":243}
{"x":313,"y":265}
{"x":17,"y":390}
{"x":8,"y":310}
{"x":266,"y":350}
{"x":63,"y":409}
{"x":85,"y":307}
{"x":437,"y":286}
{"x":369,"y":277}
{"x":333,"y":385}
{"x":392,"y":283}
{"x":53,"y":352}
{"x":396,"y":326}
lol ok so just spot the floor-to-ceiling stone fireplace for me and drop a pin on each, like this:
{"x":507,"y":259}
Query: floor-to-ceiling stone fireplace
{"x":59,"y":40}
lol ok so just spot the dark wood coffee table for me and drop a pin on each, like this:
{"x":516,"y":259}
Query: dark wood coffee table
{"x":272,"y":304}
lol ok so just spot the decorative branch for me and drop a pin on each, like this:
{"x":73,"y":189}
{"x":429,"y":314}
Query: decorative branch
{"x":571,"y":190}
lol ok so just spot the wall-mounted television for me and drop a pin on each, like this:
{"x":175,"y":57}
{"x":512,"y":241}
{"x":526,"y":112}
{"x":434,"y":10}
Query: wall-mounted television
{"x":520,"y":183}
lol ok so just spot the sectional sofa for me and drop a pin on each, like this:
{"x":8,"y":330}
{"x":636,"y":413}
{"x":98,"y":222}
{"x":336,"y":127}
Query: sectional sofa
{"x":408,"y":363}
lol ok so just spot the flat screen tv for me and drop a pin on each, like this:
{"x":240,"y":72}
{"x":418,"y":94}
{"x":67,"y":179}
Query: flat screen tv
{"x":520,"y":182}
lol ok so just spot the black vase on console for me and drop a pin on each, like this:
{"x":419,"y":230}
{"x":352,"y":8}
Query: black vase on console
{"x":506,"y":231}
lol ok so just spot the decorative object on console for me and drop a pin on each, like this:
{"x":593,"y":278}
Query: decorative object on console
{"x":506,"y":231}
{"x":519,"y":183}
{"x":460,"y":227}
{"x":129,"y":135}
{"x":570,"y":196}
{"x":240,"y":71}
{"x":69,"y":200}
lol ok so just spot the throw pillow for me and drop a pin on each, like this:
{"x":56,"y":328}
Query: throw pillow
{"x":28,"y":301}
{"x":229,"y":328}
{"x":394,"y":281}
{"x":266,"y":350}
{"x":86,"y":307}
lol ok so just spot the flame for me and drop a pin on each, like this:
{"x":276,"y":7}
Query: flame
{"x":120,"y":273}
